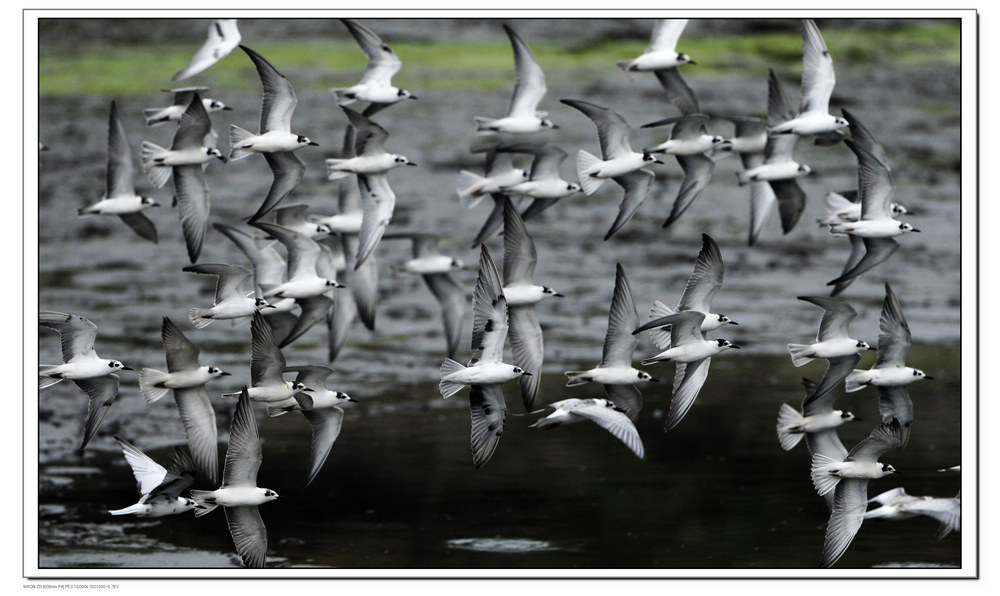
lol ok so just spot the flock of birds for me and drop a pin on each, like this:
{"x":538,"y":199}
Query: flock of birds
{"x":284,"y":295}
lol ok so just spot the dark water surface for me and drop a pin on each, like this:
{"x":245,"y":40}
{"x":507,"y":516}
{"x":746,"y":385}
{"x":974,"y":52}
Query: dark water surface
{"x":399,"y":490}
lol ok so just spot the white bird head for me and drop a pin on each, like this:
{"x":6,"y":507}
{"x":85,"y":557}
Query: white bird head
{"x":148,"y":202}
{"x":116,"y":365}
{"x":907,"y":228}
{"x":725,"y":344}
{"x":304,"y":141}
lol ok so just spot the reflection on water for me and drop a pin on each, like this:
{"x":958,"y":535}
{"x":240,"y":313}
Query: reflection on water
{"x":501,"y":545}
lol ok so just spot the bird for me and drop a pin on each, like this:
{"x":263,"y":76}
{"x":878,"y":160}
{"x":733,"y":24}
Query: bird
{"x":602,"y":412}
{"x":692,"y":354}
{"x":833,"y":343}
{"x":269,"y":269}
{"x":690,"y":143}
{"x":699,"y":292}
{"x":81,"y":364}
{"x":486,"y":370}
{"x":522,"y":294}
{"x":120,"y":197}
{"x":303,"y":253}
{"x":615,"y":372}
{"x":232,"y":299}
{"x":778,"y":169}
{"x":193,"y":144}
{"x":522,"y":117}
{"x":877,"y":226}
{"x":750,"y":141}
{"x":896,"y":504}
{"x":817,"y":423}
{"x":818,"y":80}
{"x":500,"y":172}
{"x":277,"y":106}
{"x":370,"y":156}
{"x":267,"y":364}
{"x":182,"y":99}
{"x":223,"y":36}
{"x":159,"y":489}
{"x":793,"y":425}
{"x":187,"y":379}
{"x":375,"y":85}
{"x":544,"y":183}
{"x":436,"y":270}
{"x":186,"y":159}
{"x":849,"y":479}
{"x":370,"y":162}
{"x":321,"y":408}
{"x":661,"y":57}
{"x":275,"y":139}
{"x":845,"y":206}
{"x":619,"y":162}
{"x":890,"y":375}
{"x":239,"y":493}
{"x":297,"y":218}
{"x":661,"y":53}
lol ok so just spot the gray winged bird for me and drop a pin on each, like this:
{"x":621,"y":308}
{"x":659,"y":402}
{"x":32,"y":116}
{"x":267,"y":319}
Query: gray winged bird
{"x":223,"y":37}
{"x":81,"y":364}
{"x":182,"y":99}
{"x":692,"y":354}
{"x":375,"y":85}
{"x":661,"y":56}
{"x":436,"y":270}
{"x":817,"y":422}
{"x":187,"y":379}
{"x":620,"y":162}
{"x":321,"y":408}
{"x":833,"y":343}
{"x":890,"y":375}
{"x":190,"y":189}
{"x":239,"y":493}
{"x":159,"y":489}
{"x":600,"y":411}
{"x":371,"y":163}
{"x":818,"y":80}
{"x":779,"y":169}
{"x":690,"y":143}
{"x":120,"y":197}
{"x":522,"y":293}
{"x":523,"y":117}
{"x":848,"y":479}
{"x":615,"y":372}
{"x":275,"y":138}
{"x":486,"y":370}
{"x":699,"y":292}
{"x":877,"y":225}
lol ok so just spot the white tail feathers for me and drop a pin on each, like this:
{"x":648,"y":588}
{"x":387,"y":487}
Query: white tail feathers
{"x":857,"y":380}
{"x":449,"y":388}
{"x":822,"y":479}
{"x":275,"y":411}
{"x":658,"y":335}
{"x":343,"y":97}
{"x":128,"y":510}
{"x":484,"y":125}
{"x":46,"y":381}
{"x":155,"y":116}
{"x":789,"y":427}
{"x":585,"y":162}
{"x":332,"y":173}
{"x":799,"y":354}
{"x":157,"y":174}
{"x":204,"y":499}
{"x":148,"y":379}
{"x":470,"y":188}
{"x":199,"y":318}
{"x":236,"y":136}
{"x":576,"y":377}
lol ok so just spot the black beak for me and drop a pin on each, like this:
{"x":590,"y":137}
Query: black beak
{"x":225,"y":374}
